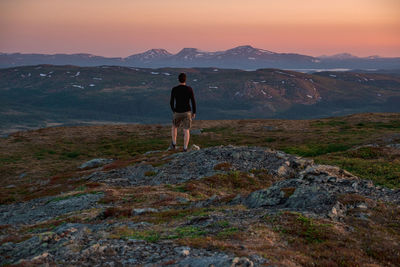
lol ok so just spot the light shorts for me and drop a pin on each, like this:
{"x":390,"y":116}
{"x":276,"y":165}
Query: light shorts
{"x":183,"y":119}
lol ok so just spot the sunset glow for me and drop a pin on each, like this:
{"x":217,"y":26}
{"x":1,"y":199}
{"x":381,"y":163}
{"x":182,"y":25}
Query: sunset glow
{"x":124,"y":27}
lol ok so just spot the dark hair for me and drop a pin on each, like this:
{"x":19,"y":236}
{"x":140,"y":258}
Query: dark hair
{"x":182,"y":77}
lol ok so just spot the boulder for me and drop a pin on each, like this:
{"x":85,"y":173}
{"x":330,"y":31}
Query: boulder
{"x":94,"y":163}
{"x":143,"y":211}
{"x":216,"y":261}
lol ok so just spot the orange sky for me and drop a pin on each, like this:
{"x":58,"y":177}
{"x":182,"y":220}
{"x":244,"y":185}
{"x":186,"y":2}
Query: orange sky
{"x":125,"y":27}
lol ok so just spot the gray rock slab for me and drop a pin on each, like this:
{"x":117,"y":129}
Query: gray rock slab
{"x":43,"y":209}
{"x":94,"y":163}
{"x":200,"y":163}
{"x":316,"y":191}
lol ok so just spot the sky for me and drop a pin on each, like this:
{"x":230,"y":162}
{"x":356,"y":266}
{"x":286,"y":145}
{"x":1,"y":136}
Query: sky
{"x":119,"y":28}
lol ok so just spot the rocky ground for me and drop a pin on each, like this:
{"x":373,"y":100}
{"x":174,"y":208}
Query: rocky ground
{"x":197,"y":164}
{"x":321,"y":192}
{"x":217,"y":206}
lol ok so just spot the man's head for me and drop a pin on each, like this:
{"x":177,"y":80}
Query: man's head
{"x":182,"y":78}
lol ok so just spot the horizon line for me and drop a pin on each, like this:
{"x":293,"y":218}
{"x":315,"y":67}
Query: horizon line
{"x":87,"y":53}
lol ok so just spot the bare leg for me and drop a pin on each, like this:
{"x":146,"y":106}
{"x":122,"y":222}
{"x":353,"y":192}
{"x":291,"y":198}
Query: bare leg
{"x":174,"y":133}
{"x":186,"y":138}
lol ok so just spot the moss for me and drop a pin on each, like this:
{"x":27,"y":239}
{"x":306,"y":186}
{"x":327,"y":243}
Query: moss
{"x":189,"y":231}
{"x":81,"y":188}
{"x":227,"y":232}
{"x":178,"y":188}
{"x":126,"y":233}
{"x":222,"y":223}
{"x":299,"y":228}
{"x":149,"y":236}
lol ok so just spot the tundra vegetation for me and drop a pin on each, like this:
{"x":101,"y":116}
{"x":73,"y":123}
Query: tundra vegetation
{"x":202,"y":213}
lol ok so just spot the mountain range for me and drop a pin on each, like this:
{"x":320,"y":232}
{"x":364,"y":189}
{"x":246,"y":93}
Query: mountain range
{"x":241,"y":57}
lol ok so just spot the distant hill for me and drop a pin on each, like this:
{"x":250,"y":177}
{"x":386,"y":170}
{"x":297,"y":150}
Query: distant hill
{"x":241,"y":57}
{"x":46,"y":95}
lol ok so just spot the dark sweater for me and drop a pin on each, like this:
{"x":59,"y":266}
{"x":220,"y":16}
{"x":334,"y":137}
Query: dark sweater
{"x":180,"y":96}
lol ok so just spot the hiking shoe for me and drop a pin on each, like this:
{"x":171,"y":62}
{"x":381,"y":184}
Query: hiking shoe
{"x":172,"y":146}
{"x":185,"y":149}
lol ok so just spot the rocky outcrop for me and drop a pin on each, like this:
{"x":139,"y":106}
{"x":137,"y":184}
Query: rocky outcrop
{"x":314,"y":190}
{"x":317,"y":190}
{"x":46,"y":208}
{"x":307,"y":187}
{"x":76,"y":244}
{"x":201,"y":163}
{"x":396,"y":146}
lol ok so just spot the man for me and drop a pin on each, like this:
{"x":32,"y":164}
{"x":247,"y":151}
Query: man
{"x":181,"y":95}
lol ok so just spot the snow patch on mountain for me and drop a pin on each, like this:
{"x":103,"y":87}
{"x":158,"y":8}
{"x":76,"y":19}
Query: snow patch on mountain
{"x":150,"y":55}
{"x":284,"y":73}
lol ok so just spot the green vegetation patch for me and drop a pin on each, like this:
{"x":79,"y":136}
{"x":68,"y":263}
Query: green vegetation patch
{"x":299,"y":228}
{"x":188,"y":231}
{"x":227,"y":232}
{"x":312,"y":150}
{"x":394,"y":124}
{"x":366,"y":153}
{"x":149,"y":236}
{"x":43,"y":153}
{"x":132,"y":146}
{"x":126,"y":233}
{"x":70,"y":155}
{"x":330,"y":123}
{"x":173,"y":215}
{"x":269,"y":139}
{"x":380,"y":171}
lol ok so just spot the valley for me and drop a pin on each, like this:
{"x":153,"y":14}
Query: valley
{"x":40,"y":96}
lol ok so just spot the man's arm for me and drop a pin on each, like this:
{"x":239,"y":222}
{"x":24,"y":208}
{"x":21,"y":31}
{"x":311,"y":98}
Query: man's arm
{"x":172,"y":100}
{"x":193,"y":101}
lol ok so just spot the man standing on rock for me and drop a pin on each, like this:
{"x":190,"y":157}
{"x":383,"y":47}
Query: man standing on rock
{"x":181,"y":95}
